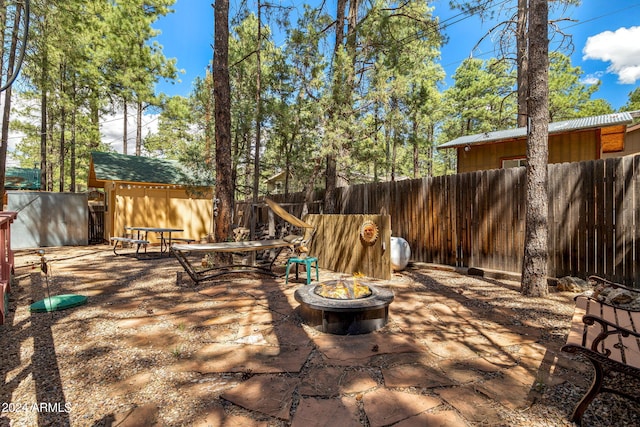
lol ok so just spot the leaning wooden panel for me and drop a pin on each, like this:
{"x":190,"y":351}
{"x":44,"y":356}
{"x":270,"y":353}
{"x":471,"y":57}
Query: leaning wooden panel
{"x":338,"y":246}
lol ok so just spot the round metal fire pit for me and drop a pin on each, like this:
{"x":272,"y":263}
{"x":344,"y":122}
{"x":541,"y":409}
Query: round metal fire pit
{"x":344,"y":316}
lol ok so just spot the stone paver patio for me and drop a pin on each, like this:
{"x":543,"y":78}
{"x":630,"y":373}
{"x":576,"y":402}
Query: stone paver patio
{"x":449,"y":355}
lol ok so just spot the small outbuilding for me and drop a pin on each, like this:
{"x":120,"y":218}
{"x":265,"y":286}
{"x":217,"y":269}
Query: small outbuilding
{"x":150,"y":192}
{"x":576,"y":140}
{"x":22,"y":179}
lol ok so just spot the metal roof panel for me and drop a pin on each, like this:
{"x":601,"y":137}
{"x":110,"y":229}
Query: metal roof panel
{"x":557,"y":127}
{"x":121,"y":167}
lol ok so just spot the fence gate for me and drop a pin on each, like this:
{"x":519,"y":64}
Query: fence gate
{"x":96,"y":224}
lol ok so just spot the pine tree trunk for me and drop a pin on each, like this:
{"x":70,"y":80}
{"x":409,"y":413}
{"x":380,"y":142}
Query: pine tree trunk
{"x":331,"y":176}
{"x":416,"y":148}
{"x":43,"y":138}
{"x":139,"y":129}
{"x":222,"y":111}
{"x":331,"y":171}
{"x":63,"y":143}
{"x":124,"y":130}
{"x":4,"y":133}
{"x":95,"y":121}
{"x":72,"y":160}
{"x":4,"y":141}
{"x":522,"y":63}
{"x":50,"y":152}
{"x":534,"y":264}
{"x":63,"y":131}
{"x":256,"y":149}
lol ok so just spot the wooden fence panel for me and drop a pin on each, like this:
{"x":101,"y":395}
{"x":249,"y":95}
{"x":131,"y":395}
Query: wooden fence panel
{"x":581,"y":203}
{"x":599,"y":218}
{"x":510,"y":226}
{"x":588,"y":190}
{"x":483,"y":222}
{"x":459,"y":223}
{"x":574,"y":195}
{"x":556,"y":206}
{"x":619,"y":218}
{"x":608,"y":210}
{"x":338,"y":246}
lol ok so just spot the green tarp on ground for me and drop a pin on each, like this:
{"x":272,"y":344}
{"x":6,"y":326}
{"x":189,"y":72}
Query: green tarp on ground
{"x":58,"y":302}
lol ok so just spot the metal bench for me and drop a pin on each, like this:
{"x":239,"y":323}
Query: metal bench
{"x":123,"y":240}
{"x":609,"y":336}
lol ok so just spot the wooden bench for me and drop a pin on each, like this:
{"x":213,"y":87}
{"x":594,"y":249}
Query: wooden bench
{"x":609,"y":336}
{"x":123,"y":240}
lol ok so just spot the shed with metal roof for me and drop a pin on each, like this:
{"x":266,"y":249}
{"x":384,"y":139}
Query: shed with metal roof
{"x":22,"y":179}
{"x":574,"y":140}
{"x":150,"y":192}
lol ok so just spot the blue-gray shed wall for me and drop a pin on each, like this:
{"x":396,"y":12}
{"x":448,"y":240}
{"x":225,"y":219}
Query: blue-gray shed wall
{"x":48,"y":219}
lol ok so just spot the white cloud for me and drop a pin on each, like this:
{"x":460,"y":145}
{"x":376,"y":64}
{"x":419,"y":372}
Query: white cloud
{"x":591,"y":79}
{"x":111,"y":127}
{"x":621,"y":48}
{"x":112,"y":130}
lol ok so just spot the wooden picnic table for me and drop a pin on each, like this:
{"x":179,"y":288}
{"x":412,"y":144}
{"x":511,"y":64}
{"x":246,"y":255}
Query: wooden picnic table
{"x":164,"y":232}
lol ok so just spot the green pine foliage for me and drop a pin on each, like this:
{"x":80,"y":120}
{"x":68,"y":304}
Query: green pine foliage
{"x":377,"y":104}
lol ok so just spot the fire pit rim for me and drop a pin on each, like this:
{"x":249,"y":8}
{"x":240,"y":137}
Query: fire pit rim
{"x":380,"y":297}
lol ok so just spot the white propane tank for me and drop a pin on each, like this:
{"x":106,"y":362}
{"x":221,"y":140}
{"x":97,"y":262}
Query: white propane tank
{"x":400,"y":253}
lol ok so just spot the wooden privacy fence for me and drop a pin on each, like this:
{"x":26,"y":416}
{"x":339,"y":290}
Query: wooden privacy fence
{"x":477,"y":219}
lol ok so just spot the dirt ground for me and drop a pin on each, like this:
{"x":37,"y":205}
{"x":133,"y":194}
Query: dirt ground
{"x":149,"y":349}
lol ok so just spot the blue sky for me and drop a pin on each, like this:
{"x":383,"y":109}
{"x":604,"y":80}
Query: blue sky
{"x":606,"y":39}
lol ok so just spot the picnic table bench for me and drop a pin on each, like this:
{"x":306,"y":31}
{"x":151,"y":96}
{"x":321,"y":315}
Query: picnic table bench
{"x":165,"y":235}
{"x":139,"y":237}
{"x":183,"y":239}
{"x":133,"y":241}
{"x":609,"y":336}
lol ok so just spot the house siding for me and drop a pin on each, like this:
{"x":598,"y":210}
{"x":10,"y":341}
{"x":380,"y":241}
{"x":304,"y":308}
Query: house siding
{"x":569,"y":147}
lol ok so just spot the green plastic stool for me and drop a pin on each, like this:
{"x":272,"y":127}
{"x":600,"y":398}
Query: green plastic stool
{"x":308,"y":262}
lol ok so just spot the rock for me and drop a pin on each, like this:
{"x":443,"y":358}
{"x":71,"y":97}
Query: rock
{"x":472,"y":271}
{"x":618,"y":297}
{"x":572,"y":284}
{"x":240,"y":234}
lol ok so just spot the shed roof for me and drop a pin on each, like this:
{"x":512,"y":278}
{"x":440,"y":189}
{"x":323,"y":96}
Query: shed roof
{"x":22,"y":179}
{"x":121,"y":167}
{"x":584,"y":123}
